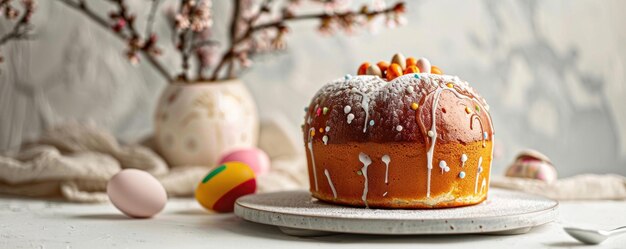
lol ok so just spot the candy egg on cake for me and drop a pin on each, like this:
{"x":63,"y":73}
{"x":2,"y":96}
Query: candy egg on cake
{"x":400,"y":134}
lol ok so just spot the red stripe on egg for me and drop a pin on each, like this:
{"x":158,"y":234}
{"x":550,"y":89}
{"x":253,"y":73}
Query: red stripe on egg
{"x":226,"y":203}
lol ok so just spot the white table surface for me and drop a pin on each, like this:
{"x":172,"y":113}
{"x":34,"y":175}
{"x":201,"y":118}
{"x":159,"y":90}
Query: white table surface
{"x":30,"y":223}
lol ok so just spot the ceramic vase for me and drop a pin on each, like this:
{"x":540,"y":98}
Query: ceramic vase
{"x":195,"y":123}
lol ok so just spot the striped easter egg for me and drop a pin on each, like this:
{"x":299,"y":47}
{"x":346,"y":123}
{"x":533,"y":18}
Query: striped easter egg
{"x":224,"y":184}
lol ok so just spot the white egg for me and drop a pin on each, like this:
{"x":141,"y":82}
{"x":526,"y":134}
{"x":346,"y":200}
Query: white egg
{"x":136,"y":193}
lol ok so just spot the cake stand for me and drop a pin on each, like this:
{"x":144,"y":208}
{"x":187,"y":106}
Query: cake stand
{"x":297,"y":213}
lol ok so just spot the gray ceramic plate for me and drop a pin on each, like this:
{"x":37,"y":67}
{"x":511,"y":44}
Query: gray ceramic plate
{"x":297,"y":213}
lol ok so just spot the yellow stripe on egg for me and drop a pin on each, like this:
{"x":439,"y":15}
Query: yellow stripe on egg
{"x":209,"y":192}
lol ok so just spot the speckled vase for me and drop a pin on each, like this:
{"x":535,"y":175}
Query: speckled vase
{"x":196,"y":122}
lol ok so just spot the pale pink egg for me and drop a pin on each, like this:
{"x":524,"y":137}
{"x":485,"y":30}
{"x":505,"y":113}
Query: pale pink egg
{"x":257,"y":159}
{"x":136,"y":193}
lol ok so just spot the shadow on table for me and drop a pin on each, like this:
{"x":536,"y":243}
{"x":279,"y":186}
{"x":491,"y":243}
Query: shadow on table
{"x":102,"y":217}
{"x":567,"y":244}
{"x":245,"y":228}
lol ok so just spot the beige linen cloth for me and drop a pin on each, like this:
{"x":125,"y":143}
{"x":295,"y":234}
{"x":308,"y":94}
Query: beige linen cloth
{"x":74,"y":161}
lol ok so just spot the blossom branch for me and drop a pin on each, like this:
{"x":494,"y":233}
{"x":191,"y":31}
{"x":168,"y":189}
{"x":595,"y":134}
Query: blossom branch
{"x":146,"y":49}
{"x":326,"y":18}
{"x":21,"y":29}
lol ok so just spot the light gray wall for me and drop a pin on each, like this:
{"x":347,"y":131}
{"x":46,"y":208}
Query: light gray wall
{"x":553,"y":72}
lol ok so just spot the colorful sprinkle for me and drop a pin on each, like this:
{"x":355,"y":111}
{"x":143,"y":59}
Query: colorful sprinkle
{"x":477,"y":109}
{"x":347,"y":109}
{"x":321,"y":130}
{"x":358,"y":172}
{"x":468,"y":110}
{"x":348,"y":76}
{"x":431,"y":133}
{"x":371,"y":122}
{"x":327,"y":128}
{"x":462,"y":174}
{"x":410,"y":89}
{"x":399,"y":128}
{"x":414,"y":106}
{"x":444,"y":166}
{"x":450,"y":85}
{"x":350,"y":118}
{"x":312,"y":132}
{"x":485,"y":135}
{"x":417,"y":76}
{"x":325,"y":110}
{"x":318,"y":112}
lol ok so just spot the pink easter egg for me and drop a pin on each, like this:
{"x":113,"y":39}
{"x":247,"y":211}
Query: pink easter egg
{"x":253,"y":157}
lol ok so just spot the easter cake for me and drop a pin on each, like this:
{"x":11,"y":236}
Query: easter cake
{"x":399,"y":135}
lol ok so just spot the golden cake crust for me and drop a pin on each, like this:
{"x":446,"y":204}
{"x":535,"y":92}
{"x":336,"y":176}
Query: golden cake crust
{"x":355,"y":125}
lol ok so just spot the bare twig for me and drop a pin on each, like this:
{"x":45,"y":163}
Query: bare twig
{"x":82,"y":7}
{"x":226,"y":57}
{"x":150,"y":22}
{"x":21,"y":29}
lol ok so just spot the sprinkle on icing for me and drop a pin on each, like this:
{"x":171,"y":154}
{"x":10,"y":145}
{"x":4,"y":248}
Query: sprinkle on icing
{"x":372,"y":122}
{"x":347,"y":109}
{"x":463,"y":160}
{"x":325,"y":110}
{"x":399,"y":128}
{"x":350,"y":118}
{"x":410,"y":89}
{"x":444,"y":166}
{"x":327,"y":128}
{"x":462,"y":174}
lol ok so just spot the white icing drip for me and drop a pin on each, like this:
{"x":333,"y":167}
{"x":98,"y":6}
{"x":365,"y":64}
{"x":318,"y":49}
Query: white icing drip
{"x":365,"y":104}
{"x":433,"y":131}
{"x":444,"y":166}
{"x":482,"y":130}
{"x":310,"y":146}
{"x":386,"y":159}
{"x":350,"y":118}
{"x":365,"y":159}
{"x":478,"y":170}
{"x":482,"y":186}
{"x":463,"y":160}
{"x":332,"y":187}
{"x":325,"y":139}
{"x":431,"y":150}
